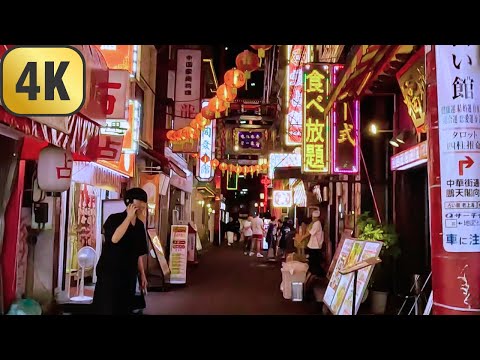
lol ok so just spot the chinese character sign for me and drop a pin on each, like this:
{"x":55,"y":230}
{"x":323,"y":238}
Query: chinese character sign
{"x":315,"y":124}
{"x":187,"y":86}
{"x":207,"y":147}
{"x":345,"y":141}
{"x":282,"y":198}
{"x":250,"y":140}
{"x":458,"y":79}
{"x":298,"y":56}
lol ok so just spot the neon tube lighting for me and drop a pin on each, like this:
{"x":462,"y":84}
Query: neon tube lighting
{"x":354,"y":169}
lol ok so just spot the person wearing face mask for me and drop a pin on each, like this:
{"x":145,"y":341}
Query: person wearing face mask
{"x":121,"y":261}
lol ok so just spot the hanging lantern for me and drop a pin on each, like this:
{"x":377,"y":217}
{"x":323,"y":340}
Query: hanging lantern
{"x":216,"y":105}
{"x":189,"y":132}
{"x":170,"y":134}
{"x":238,"y":169}
{"x":207,"y":113}
{"x":195,"y":155}
{"x":234,"y":78}
{"x":231,"y":168}
{"x":214,"y":163}
{"x":261,"y":50}
{"x":227,"y":94}
{"x":201,"y":121}
{"x":264,"y":167}
{"x":196,"y":134}
{"x":195,"y":125}
{"x":54,"y":169}
{"x":251,"y":169}
{"x":257,"y":169}
{"x":205,"y":158}
{"x":247,"y":62}
{"x":223,"y":166}
{"x":245,"y":170}
{"x":175,"y":136}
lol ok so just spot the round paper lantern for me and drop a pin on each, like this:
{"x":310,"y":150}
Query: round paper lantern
{"x":216,"y":105}
{"x":234,"y":78}
{"x":223,"y":166}
{"x":54,"y":169}
{"x":170,"y":134}
{"x":226,"y":93}
{"x":231,"y":168}
{"x":205,"y":158}
{"x":238,"y":169}
{"x":189,"y":132}
{"x":251,"y":169}
{"x":261,"y":50}
{"x":247,"y":62}
{"x":195,"y":155}
{"x":207,"y":113}
{"x":245,"y":170}
{"x":196,"y":134}
{"x":264,"y":167}
{"x":201,"y":121}
{"x":195,"y":125}
{"x":214,"y":163}
{"x":257,"y":169}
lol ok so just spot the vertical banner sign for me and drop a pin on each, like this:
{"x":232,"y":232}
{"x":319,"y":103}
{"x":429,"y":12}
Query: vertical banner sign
{"x":346,"y":123}
{"x":207,"y":148}
{"x":187,"y":86}
{"x":298,"y":56}
{"x":315,"y":125}
{"x":459,"y":138}
{"x":178,"y":254}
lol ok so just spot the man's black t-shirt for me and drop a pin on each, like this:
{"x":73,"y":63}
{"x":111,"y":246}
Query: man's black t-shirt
{"x":117,"y":268}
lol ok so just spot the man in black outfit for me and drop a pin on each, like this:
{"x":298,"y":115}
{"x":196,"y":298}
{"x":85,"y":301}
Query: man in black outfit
{"x":121,"y":261}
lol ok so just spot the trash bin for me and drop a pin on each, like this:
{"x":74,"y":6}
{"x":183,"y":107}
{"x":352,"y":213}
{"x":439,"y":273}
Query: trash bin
{"x":292,"y":271}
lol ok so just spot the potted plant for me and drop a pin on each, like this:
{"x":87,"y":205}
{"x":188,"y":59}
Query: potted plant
{"x":381,"y":280}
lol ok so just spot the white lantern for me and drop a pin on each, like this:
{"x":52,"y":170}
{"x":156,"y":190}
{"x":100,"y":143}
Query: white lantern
{"x":54,"y":170}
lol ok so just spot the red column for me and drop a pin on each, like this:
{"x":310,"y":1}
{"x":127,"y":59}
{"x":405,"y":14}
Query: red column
{"x":12,"y":227}
{"x":455,"y":275}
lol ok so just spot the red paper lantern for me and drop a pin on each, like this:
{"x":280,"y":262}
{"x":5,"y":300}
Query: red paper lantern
{"x":247,"y":62}
{"x":226,"y":93}
{"x":251,"y":169}
{"x":207,"y":113}
{"x":194,"y":124}
{"x":216,"y":105}
{"x":195,"y":155}
{"x":245,"y":170}
{"x":201,"y":121}
{"x":170,"y":134}
{"x":231,"y":168}
{"x":234,"y":78}
{"x":264,"y":167}
{"x":189,"y":132}
{"x":214,"y":163}
{"x":223,"y":166}
{"x":261,"y":50}
{"x":257,"y":169}
{"x":205,"y":158}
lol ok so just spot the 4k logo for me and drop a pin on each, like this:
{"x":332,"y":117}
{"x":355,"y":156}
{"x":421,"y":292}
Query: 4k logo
{"x":42,"y":80}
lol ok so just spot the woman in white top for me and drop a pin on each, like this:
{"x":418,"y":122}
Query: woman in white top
{"x":247,"y":235}
{"x":314,"y":246}
{"x":258,"y":233}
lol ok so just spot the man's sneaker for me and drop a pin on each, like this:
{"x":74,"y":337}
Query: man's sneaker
{"x":259,"y":255}
{"x":251,"y":253}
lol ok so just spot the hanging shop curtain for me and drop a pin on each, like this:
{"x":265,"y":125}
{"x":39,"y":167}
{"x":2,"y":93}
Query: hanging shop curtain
{"x":8,"y":172}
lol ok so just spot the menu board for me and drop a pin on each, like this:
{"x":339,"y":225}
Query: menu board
{"x":339,"y":294}
{"x":347,"y":233}
{"x":178,"y":254}
{"x":158,"y":249}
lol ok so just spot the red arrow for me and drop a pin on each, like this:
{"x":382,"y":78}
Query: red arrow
{"x":467,"y":163}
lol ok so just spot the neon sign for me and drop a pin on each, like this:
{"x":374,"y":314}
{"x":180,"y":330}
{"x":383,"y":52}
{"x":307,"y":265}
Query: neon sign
{"x":207,"y":139}
{"x":346,"y":146}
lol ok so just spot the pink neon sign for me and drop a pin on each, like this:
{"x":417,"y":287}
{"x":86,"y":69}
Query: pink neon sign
{"x":346,"y":139}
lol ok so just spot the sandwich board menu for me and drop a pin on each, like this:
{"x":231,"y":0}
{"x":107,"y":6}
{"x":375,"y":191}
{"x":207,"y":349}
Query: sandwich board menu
{"x":339,"y":293}
{"x":159,"y":254}
{"x":178,"y":254}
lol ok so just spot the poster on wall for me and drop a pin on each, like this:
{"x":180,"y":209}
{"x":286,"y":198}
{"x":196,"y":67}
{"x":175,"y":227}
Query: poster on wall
{"x":459,"y":141}
{"x":178,"y":254}
{"x":339,"y":293}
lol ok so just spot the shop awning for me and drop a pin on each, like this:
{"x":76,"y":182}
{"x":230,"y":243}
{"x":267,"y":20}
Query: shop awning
{"x":82,"y":138}
{"x":369,"y":63}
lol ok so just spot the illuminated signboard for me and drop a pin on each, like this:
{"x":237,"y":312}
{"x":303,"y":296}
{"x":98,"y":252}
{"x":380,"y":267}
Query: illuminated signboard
{"x":280,"y":160}
{"x":282,"y":198}
{"x":315,"y":126}
{"x":299,"y":194}
{"x":125,"y":57}
{"x":130,"y":141}
{"x":412,"y":157}
{"x":298,"y":56}
{"x":346,"y":146}
{"x":207,"y":148}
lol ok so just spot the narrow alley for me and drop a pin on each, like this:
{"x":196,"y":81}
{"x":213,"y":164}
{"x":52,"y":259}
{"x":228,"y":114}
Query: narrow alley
{"x":225,"y":282}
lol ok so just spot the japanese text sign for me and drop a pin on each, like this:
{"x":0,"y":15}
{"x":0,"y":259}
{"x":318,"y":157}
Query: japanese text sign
{"x":207,"y":148}
{"x":458,"y":79}
{"x":187,"y":86}
{"x":315,"y":125}
{"x":298,"y":55}
{"x":346,"y":123}
{"x":118,"y":94}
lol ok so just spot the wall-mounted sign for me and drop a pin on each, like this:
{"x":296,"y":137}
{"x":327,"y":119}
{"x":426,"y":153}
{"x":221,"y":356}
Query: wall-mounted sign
{"x":130,"y":142}
{"x":187,"y":86}
{"x":250,"y":140}
{"x":125,"y":165}
{"x":207,"y":149}
{"x":315,"y":126}
{"x":282,"y":198}
{"x":178,"y":254}
{"x":346,"y":140}
{"x":282,"y":160}
{"x":109,"y":147}
{"x":118,"y":94}
{"x":409,"y":158}
{"x":298,"y":56}
{"x":123,"y":57}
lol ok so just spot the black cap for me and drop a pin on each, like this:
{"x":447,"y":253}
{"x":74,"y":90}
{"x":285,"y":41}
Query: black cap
{"x":135,"y":194}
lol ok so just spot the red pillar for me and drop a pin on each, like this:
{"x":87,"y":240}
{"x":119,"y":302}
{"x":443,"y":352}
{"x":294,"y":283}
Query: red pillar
{"x":455,"y":275}
{"x":12,"y":227}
